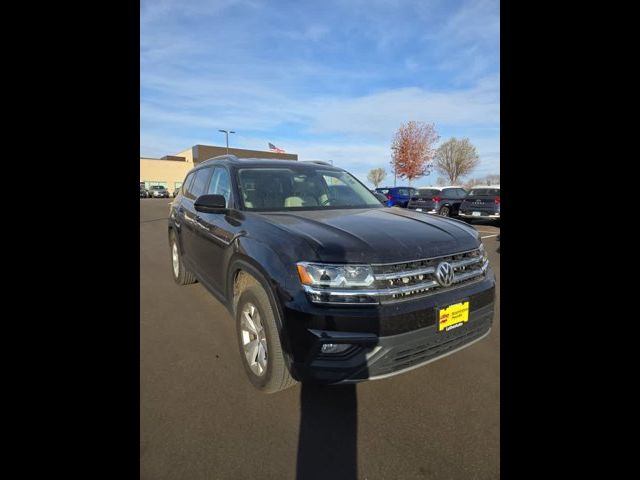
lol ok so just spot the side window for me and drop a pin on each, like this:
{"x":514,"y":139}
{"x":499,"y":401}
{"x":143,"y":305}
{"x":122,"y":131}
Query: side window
{"x":186,"y":185}
{"x":220,"y":184}
{"x":197,"y":187}
{"x":462,"y":193}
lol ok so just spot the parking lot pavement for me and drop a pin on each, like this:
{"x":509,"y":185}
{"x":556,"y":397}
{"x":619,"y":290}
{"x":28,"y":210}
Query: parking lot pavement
{"x":201,"y":419}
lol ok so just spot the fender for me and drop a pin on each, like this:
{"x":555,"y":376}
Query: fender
{"x":240,"y":262}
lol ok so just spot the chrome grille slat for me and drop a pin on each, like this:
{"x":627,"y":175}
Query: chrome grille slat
{"x":464,"y":263}
{"x":407,"y":273}
{"x":407,"y":280}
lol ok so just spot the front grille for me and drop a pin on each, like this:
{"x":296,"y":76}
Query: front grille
{"x":405,"y":280}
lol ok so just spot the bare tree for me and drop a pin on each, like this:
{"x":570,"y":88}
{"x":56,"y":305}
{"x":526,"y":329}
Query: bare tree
{"x":412,"y":149}
{"x":493,"y":179}
{"x":376,"y":176}
{"x":441,"y":182}
{"x":456,"y":158}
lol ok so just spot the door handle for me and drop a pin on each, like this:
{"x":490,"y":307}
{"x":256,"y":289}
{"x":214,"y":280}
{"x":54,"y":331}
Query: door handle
{"x":197,"y":222}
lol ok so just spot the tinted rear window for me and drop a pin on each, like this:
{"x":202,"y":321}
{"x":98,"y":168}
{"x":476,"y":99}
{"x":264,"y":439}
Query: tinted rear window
{"x":454,"y":192}
{"x":479,"y":192}
{"x":428,"y":192}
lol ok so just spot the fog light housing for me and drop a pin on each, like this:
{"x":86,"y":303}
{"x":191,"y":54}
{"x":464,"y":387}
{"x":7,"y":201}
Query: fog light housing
{"x":334,"y":347}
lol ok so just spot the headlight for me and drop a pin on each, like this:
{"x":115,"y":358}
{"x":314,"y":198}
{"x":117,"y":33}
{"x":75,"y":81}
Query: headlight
{"x":483,"y":252}
{"x":338,"y":276}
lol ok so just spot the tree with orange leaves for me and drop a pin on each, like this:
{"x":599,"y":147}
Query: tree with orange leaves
{"x":413,"y":149}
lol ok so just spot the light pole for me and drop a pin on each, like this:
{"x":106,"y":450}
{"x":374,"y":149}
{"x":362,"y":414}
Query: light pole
{"x":226,"y":134}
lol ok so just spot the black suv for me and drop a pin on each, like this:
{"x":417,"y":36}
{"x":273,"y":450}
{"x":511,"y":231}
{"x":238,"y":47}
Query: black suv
{"x":444,"y":201}
{"x":482,"y":203}
{"x":299,"y":253}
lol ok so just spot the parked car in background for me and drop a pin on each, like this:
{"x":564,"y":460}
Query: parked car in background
{"x":482,"y":203}
{"x":144,"y":193}
{"x":325,"y":284}
{"x":158,"y":191}
{"x":443,"y":201}
{"x":383,"y":198}
{"x":397,"y":196}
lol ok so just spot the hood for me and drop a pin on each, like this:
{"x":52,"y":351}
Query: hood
{"x":375,"y":235}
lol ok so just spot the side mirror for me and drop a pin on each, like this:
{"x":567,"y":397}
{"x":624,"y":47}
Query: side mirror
{"x":210,"y":204}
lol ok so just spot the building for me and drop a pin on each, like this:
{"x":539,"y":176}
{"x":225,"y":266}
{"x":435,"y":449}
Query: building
{"x":170,"y":170}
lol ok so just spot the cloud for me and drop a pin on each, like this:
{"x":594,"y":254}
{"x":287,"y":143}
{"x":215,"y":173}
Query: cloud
{"x":330,"y":80}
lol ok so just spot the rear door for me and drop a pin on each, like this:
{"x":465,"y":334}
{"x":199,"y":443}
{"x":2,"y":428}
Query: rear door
{"x":453,"y":197}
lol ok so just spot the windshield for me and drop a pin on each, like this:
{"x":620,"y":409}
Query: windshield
{"x":157,"y":187}
{"x":290,"y":188}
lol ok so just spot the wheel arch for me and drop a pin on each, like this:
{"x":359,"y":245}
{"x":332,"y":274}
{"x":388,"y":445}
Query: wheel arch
{"x":240,"y":265}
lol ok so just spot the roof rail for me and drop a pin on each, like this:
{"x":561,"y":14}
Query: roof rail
{"x":319,"y":162}
{"x":219,"y":157}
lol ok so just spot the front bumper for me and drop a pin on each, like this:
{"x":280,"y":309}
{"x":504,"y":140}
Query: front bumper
{"x":386,"y":341}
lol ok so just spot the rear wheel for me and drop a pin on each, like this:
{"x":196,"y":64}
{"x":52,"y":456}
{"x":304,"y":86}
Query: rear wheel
{"x":444,"y":211}
{"x":259,"y":342}
{"x":180,"y":274}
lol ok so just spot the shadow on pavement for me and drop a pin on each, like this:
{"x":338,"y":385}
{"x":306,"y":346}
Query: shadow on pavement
{"x":328,"y":435}
{"x":327,"y":443}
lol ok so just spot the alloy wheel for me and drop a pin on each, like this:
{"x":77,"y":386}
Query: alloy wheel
{"x":254,"y":340}
{"x":175,"y":259}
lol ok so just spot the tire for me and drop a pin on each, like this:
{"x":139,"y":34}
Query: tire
{"x":183,"y":276}
{"x":268,"y":372}
{"x":444,"y":211}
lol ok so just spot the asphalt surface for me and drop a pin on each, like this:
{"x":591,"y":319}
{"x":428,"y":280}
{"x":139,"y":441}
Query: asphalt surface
{"x":200,"y":418}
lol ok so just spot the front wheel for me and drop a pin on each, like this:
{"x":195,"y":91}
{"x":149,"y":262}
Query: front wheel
{"x":259,"y":342}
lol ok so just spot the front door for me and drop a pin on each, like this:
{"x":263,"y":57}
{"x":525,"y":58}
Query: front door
{"x":215,"y":232}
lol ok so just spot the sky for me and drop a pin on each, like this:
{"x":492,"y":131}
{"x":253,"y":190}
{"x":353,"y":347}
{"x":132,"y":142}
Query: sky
{"x":328,"y":80}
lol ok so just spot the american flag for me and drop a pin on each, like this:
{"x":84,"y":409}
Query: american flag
{"x":273,"y":148}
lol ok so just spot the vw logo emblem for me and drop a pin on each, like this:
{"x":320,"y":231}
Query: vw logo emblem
{"x":444,"y":274}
